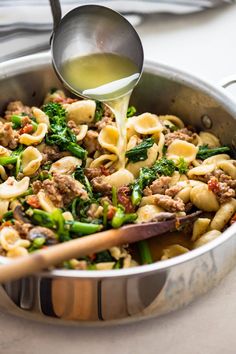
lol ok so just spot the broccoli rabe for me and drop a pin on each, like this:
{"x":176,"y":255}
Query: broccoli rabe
{"x":182,"y":166}
{"x":131,"y":111}
{"x":204,"y":151}
{"x":60,"y":134}
{"x":121,"y":217}
{"x":164,"y":167}
{"x":146,"y":176}
{"x":99,"y":112}
{"x":139,"y":152}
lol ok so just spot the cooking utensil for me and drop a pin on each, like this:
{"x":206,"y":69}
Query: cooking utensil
{"x":88,"y":245}
{"x":92,"y":29}
{"x":125,"y":295}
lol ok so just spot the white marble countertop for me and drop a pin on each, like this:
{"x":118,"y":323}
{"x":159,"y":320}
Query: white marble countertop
{"x":203,"y":44}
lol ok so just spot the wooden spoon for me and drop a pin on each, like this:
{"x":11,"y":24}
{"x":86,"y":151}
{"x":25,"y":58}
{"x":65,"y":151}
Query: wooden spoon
{"x":84,"y":246}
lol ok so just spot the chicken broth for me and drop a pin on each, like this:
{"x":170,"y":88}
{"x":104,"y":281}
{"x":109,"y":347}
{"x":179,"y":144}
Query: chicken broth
{"x":105,"y":77}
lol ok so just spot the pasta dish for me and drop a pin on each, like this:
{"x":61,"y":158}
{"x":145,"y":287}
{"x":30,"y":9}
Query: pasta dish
{"x":61,"y":179}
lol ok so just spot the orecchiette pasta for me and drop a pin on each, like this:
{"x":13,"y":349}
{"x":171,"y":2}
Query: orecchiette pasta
{"x":40,"y":116}
{"x":36,"y":138}
{"x":223,"y":215}
{"x":108,"y":138}
{"x":31,"y":160}
{"x":66,"y":165}
{"x":200,"y":227}
{"x":147,"y":213}
{"x":119,"y":178}
{"x":180,"y":148}
{"x":10,"y":239}
{"x":207,"y":237}
{"x":173,"y":251}
{"x":228,"y":166}
{"x":147,"y":123}
{"x":12,"y":188}
{"x":209,"y":139}
{"x":81,"y":111}
{"x":82,"y":132}
{"x":203,"y":198}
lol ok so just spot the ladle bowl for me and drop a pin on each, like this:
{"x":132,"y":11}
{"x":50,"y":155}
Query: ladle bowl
{"x":92,"y":29}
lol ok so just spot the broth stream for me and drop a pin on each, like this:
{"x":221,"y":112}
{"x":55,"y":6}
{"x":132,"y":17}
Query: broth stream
{"x":105,"y":77}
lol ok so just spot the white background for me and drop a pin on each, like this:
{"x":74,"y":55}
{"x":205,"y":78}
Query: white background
{"x":203,"y":44}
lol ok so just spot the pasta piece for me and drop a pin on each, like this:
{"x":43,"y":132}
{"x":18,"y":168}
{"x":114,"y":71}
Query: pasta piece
{"x":55,"y":96}
{"x":82,"y":132}
{"x":31,"y":160}
{"x":173,"y":251}
{"x":179,"y":148}
{"x":203,"y":198}
{"x":40,"y":116}
{"x":147,"y":123}
{"x":201,"y":170}
{"x":160,"y":145}
{"x":105,"y":265}
{"x":45,"y":202}
{"x":223,"y":215}
{"x":10,"y":239}
{"x":3,"y":173}
{"x":173,"y":119}
{"x":228,"y":167}
{"x":174,"y":178}
{"x":4,"y":151}
{"x":12,"y":188}
{"x":81,"y":111}
{"x":147,"y":213}
{"x":36,"y":138}
{"x":209,"y":139}
{"x":134,"y":167}
{"x":4,"y":204}
{"x":105,"y":160}
{"x":66,"y":165}
{"x":184,"y":194}
{"x":133,"y":141}
{"x":119,"y":178}
{"x":199,"y":227}
{"x":215,"y":159}
{"x":17,"y":252}
{"x":108,"y":138}
{"x":207,"y":237}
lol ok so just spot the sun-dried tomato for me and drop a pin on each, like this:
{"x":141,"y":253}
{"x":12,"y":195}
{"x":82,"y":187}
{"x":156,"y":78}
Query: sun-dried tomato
{"x":33,"y":201}
{"x":28,"y":128}
{"x":111,"y":212}
{"x":213,"y":185}
{"x":104,"y":171}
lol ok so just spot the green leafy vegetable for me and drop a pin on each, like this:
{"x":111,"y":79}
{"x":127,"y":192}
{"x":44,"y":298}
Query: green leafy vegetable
{"x":37,"y":244}
{"x":146,"y":176}
{"x":82,"y":228}
{"x":164,"y":167}
{"x":103,"y":256}
{"x":80,"y":176}
{"x":182,"y":166}
{"x":105,"y":212}
{"x":17,"y":121}
{"x":204,"y":152}
{"x":60,"y":134}
{"x":121,"y":217}
{"x":139,"y":152}
{"x":131,"y":111}
{"x":99,"y":113}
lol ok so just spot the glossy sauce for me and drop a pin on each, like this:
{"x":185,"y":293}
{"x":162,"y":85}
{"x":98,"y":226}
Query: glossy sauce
{"x":105,"y":77}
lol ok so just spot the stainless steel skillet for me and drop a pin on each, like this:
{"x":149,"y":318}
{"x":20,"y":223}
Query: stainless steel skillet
{"x":99,"y":297}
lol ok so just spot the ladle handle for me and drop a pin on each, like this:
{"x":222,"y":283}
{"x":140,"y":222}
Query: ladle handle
{"x":56,"y":13}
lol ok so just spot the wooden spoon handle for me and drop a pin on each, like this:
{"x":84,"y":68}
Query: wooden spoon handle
{"x":54,"y":255}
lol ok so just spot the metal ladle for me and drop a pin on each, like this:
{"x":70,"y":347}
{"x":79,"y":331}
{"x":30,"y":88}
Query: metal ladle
{"x":90,"y":29}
